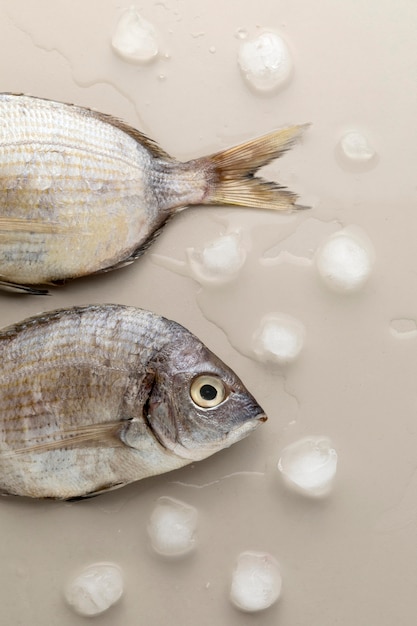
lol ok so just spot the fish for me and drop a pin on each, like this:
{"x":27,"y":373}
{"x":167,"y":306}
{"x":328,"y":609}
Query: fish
{"x":96,"y":397}
{"x":82,"y":192}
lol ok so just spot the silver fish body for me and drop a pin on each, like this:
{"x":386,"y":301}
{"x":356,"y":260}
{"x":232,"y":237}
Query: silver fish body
{"x":82,"y":192}
{"x":95,"y":397}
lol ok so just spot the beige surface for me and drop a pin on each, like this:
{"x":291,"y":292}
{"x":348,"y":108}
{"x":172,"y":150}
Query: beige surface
{"x":350,"y":558}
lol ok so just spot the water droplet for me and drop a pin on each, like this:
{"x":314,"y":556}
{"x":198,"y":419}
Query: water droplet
{"x":265,"y":62}
{"x":94,"y":184}
{"x":256,"y":581}
{"x":41,"y":182}
{"x":241,"y":33}
{"x":404,"y":328}
{"x":212,"y":49}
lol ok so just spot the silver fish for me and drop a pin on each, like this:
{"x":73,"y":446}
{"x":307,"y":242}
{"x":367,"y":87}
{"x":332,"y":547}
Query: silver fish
{"x":95,"y":397}
{"x":81,"y":192}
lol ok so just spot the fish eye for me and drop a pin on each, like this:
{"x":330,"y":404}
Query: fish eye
{"x":207,"y":391}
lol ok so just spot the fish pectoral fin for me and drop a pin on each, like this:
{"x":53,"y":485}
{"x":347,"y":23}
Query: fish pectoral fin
{"x":91,"y":435}
{"x":18,"y":225}
{"x":17,"y":288}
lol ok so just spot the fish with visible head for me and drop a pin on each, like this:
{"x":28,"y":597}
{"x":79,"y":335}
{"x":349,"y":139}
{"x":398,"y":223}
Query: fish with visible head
{"x":81,"y":192}
{"x":93,"y":398}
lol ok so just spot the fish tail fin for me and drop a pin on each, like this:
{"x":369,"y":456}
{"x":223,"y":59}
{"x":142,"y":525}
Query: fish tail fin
{"x":231,"y":179}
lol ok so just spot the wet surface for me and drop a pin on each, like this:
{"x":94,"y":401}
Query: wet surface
{"x":349,"y":557}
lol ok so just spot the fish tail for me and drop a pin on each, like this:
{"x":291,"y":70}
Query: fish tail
{"x":231,"y":179}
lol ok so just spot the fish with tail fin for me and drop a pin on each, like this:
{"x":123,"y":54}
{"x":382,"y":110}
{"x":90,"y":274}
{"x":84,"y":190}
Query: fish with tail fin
{"x":81,"y":192}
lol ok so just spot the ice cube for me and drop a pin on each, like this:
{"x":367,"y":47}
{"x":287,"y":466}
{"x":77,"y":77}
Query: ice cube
{"x":95,"y":589}
{"x":345,"y":260}
{"x":135,"y":39}
{"x":356,"y":147}
{"x":172,"y":527}
{"x":279,"y":338}
{"x":265,"y":61}
{"x":220,"y":261}
{"x":256,"y":581}
{"x":309,"y":465}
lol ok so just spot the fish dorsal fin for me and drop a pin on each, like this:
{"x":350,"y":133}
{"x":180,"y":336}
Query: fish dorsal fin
{"x":91,"y":435}
{"x":141,"y":138}
{"x":51,"y":316}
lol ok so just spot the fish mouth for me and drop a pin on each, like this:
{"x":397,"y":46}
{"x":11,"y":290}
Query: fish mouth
{"x":229,"y":439}
{"x":245,"y":429}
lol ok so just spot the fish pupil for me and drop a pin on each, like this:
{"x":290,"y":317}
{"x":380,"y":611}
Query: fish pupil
{"x":208,"y":392}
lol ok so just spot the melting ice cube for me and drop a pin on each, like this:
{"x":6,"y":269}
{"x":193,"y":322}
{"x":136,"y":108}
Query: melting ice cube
{"x":135,"y":38}
{"x":265,"y":61}
{"x":95,"y":589}
{"x":279,"y":338}
{"x":256,"y":581}
{"x":309,"y":465}
{"x":345,"y":260}
{"x":220,"y":261}
{"x":172,"y":527}
{"x":356,"y":147}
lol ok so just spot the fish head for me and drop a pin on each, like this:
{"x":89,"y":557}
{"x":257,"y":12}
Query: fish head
{"x":198,"y":405}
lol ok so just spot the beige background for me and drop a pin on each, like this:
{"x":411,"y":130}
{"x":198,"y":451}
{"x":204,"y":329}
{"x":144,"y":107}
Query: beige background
{"x":349,"y":559}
